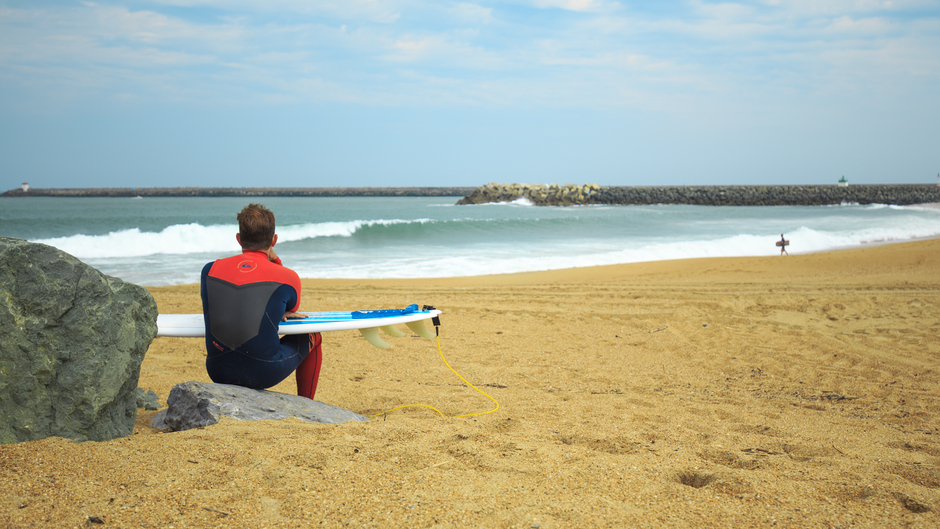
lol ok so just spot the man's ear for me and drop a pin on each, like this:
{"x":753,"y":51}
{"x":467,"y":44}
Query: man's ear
{"x":238,"y":237}
{"x":273,"y":240}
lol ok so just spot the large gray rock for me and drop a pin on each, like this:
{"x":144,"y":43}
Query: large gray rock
{"x":71,"y":347}
{"x":198,"y":404}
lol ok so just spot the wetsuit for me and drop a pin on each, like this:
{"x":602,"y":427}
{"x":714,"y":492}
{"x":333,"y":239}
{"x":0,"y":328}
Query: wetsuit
{"x":244,"y":298}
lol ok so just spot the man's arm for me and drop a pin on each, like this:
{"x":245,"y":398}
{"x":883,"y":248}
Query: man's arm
{"x":272,"y":256}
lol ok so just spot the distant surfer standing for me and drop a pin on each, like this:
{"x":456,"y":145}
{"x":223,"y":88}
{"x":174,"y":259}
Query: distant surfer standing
{"x":783,"y":245}
{"x":244,"y":298}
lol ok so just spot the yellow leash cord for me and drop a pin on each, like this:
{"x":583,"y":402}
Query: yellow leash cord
{"x":441,"y":351}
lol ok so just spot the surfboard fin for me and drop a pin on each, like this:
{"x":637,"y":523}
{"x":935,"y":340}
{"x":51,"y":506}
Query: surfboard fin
{"x":390,"y":330}
{"x":418,"y":328}
{"x":372,"y":336}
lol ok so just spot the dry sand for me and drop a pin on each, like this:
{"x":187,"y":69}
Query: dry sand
{"x":798,"y":391}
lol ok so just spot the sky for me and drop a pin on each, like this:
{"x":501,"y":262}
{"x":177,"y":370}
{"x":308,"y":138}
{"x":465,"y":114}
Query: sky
{"x":336,"y":93}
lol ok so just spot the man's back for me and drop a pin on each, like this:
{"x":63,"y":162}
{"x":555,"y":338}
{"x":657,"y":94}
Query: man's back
{"x":244,"y":298}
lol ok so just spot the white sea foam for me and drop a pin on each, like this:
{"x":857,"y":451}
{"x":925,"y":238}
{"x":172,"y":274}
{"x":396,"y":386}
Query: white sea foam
{"x":181,"y":239}
{"x":177,"y":239}
{"x":521,"y":201}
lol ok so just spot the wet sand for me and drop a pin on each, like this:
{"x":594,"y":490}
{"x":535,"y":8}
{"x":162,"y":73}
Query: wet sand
{"x":798,"y":391}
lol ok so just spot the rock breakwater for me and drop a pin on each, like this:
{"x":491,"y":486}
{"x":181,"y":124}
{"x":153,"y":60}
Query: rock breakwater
{"x":538,"y":194}
{"x":808,"y":195}
{"x":242,"y":192}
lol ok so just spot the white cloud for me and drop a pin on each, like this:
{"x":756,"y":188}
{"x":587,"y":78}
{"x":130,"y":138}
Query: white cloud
{"x":865,"y":26}
{"x":150,"y":27}
{"x":473,"y":13}
{"x":814,"y":8}
{"x":432,"y":51}
{"x":585,"y":6}
{"x":380,"y":11}
{"x":724,"y":11}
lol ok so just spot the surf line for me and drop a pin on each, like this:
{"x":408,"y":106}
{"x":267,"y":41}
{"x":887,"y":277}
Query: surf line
{"x":437,"y":325}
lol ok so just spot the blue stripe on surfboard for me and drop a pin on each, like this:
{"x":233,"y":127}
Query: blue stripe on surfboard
{"x":330,"y":317}
{"x":318,"y":317}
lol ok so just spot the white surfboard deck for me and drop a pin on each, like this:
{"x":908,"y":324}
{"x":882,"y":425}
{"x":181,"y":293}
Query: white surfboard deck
{"x":369,"y":322}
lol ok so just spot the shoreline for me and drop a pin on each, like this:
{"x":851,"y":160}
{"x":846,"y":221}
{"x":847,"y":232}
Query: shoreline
{"x":499,"y":278}
{"x":603,"y":273}
{"x":879,"y":243}
{"x":734,"y":391}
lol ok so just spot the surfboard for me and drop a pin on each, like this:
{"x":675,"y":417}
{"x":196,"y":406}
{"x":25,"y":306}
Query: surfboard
{"x":783,"y":243}
{"x":367,"y":322}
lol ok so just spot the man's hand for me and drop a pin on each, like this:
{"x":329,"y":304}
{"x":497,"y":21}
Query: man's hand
{"x":293,"y":316}
{"x":271,"y":255}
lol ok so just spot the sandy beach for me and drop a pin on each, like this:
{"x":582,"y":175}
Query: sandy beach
{"x":798,"y":391}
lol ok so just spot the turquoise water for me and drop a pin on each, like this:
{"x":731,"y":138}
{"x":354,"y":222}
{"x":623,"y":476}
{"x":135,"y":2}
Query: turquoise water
{"x":165,"y":241}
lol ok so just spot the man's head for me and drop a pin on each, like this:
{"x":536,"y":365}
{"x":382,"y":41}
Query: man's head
{"x":256,"y":227}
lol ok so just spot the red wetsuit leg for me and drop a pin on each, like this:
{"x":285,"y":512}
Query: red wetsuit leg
{"x":308,"y":372}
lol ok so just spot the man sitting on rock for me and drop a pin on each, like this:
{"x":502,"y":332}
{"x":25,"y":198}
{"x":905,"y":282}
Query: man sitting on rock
{"x":244,"y":298}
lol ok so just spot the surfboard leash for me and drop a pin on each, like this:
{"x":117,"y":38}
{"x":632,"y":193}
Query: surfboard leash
{"x":436,"y":320}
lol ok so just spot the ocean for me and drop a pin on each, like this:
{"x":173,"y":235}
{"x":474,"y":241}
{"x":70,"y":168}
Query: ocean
{"x":166,"y":241}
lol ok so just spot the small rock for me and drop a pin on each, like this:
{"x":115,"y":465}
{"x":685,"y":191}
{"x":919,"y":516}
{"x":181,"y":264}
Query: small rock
{"x":147,"y":400}
{"x":912,"y":504}
{"x":198,"y":404}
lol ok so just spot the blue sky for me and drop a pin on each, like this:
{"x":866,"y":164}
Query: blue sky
{"x":425,"y":93}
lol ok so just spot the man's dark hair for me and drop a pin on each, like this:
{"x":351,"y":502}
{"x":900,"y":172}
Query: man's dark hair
{"x":256,"y":227}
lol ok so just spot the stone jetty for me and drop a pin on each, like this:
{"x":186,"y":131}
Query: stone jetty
{"x":553,"y":194}
{"x":793,"y":195}
{"x":242,"y":192}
